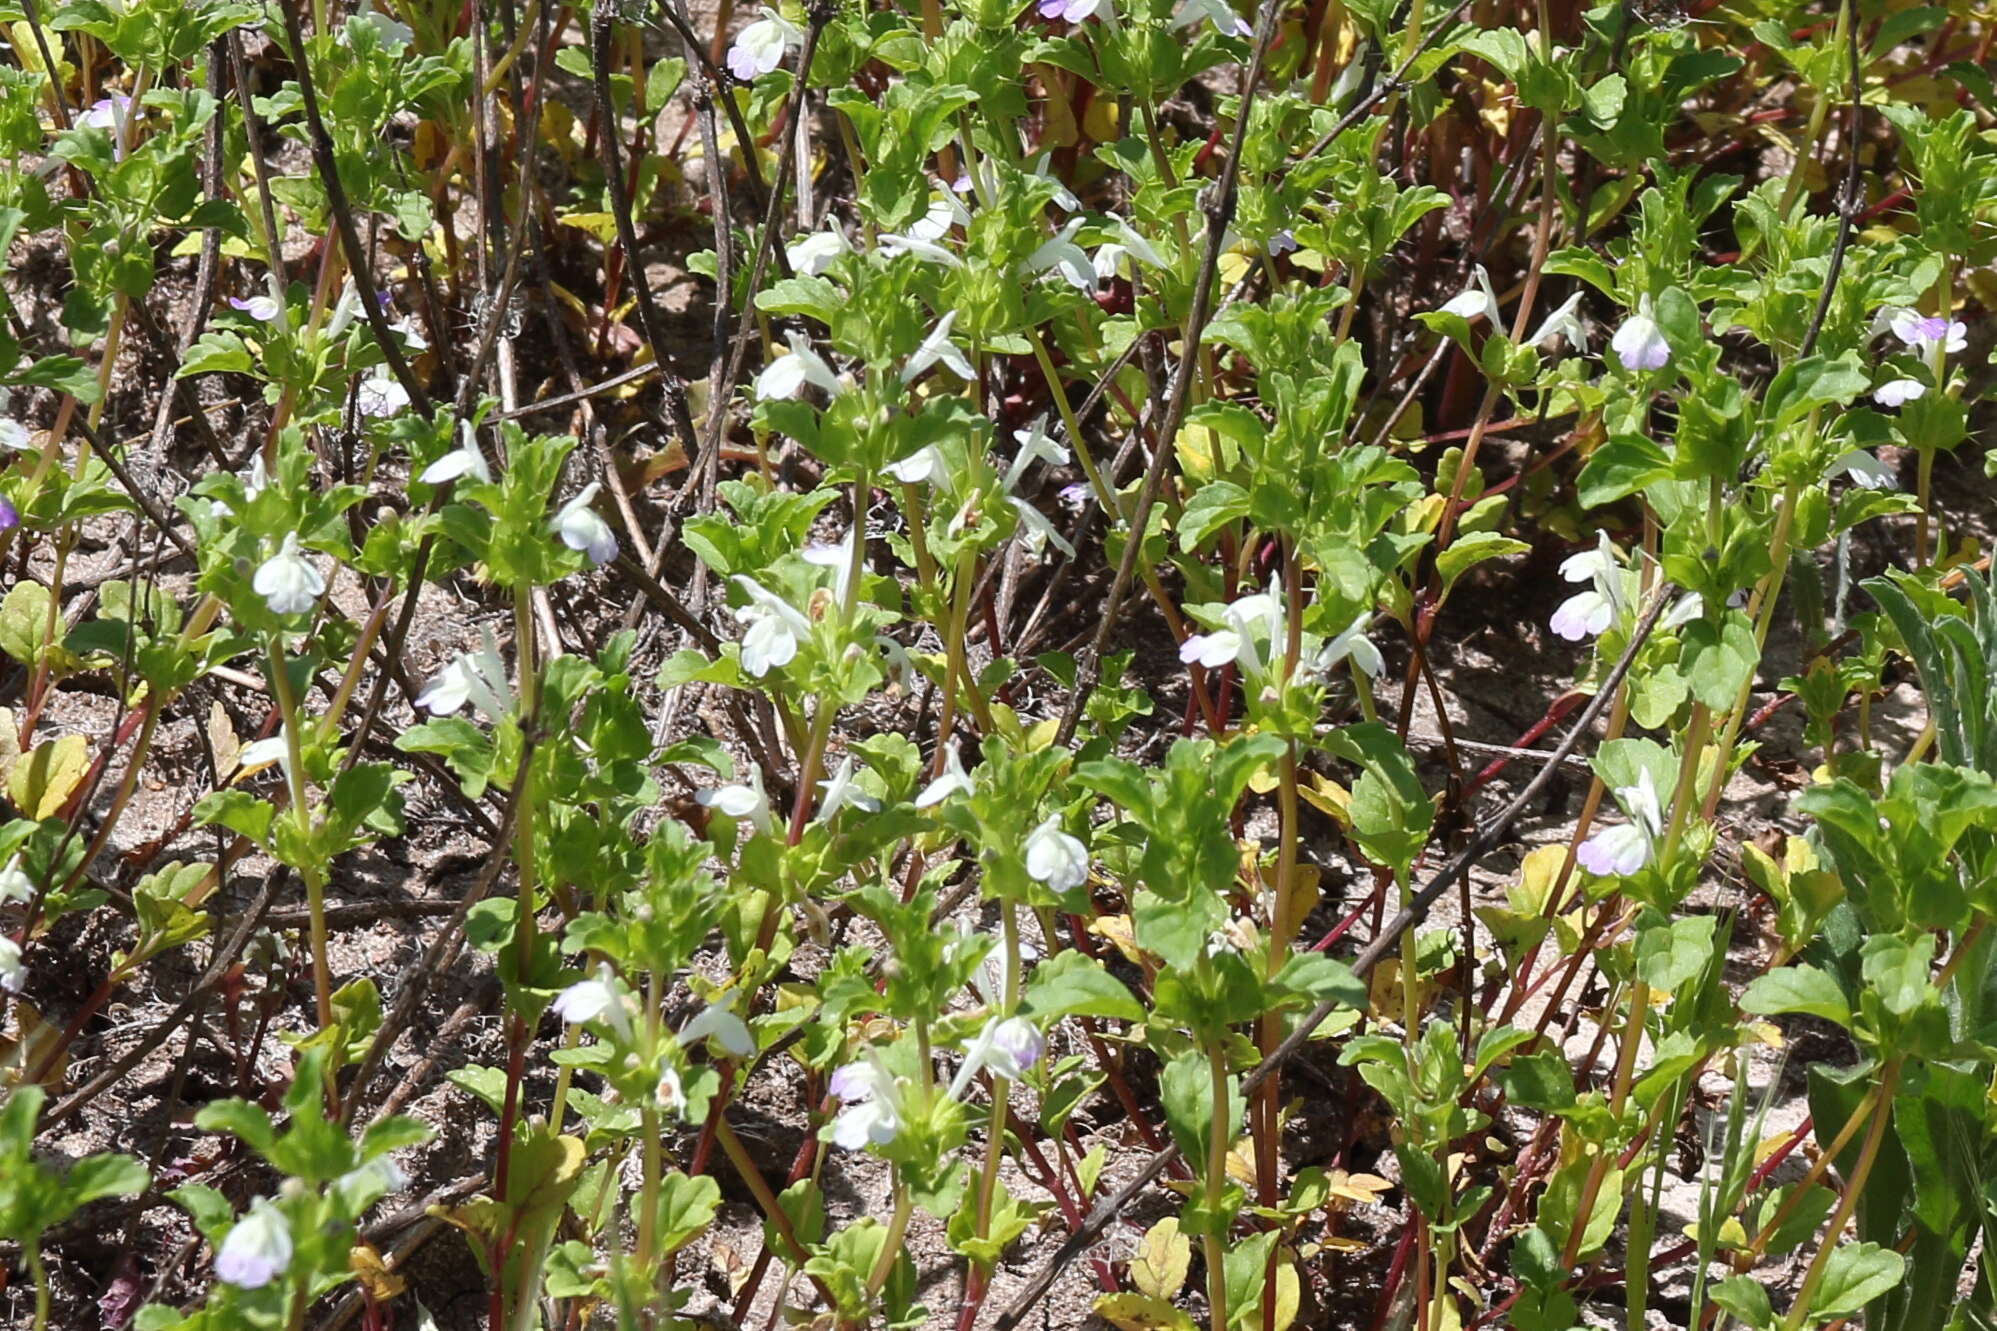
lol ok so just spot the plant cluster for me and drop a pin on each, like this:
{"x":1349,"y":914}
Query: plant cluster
{"x":966,"y":679}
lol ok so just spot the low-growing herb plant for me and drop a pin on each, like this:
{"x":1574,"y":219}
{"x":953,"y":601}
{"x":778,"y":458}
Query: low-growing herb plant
{"x":839,"y":665}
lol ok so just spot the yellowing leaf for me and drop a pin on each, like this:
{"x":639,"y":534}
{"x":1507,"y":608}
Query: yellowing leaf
{"x":1116,"y":930}
{"x":1362,"y":1188}
{"x":42,"y":782}
{"x":1140,"y":1312}
{"x":1163,"y":1257}
{"x":222,"y":739}
{"x":371,"y":1273}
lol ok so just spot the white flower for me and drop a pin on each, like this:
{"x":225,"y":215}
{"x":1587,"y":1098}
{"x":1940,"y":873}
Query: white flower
{"x":595,"y":999}
{"x":868,"y":1114}
{"x":1258,"y":615}
{"x":1924,"y":334}
{"x":815,"y":253}
{"x":718,"y":1022}
{"x":13,"y":971}
{"x":1475,"y":299}
{"x":1006,"y":1047}
{"x":1867,"y":472}
{"x":478,"y":679}
{"x":1626,"y":848}
{"x":835,"y":555}
{"x":785,"y":375}
{"x":914,"y":244}
{"x":841,"y":790}
{"x":274,"y":751}
{"x":1064,"y":197}
{"x":1690,"y":607}
{"x":1039,"y":531}
{"x":1898,"y":392}
{"x":1110,"y":255}
{"x":938,"y":347}
{"x":1225,"y":21}
{"x":1063,"y":255}
{"x":774,"y":628}
{"x":380,"y":394}
{"x":465,"y":460}
{"x":1639,"y":344}
{"x":917,"y":467}
{"x":1565,"y":324}
{"x":14,"y":436}
{"x":257,"y":1250}
{"x":582,"y":529}
{"x":901,"y":669}
{"x":669,"y":1093}
{"x":1353,"y":644}
{"x":15,"y":885}
{"x":760,"y":47}
{"x":264,"y":309}
{"x":1589,"y":612}
{"x":411,"y":339}
{"x":1035,"y":445}
{"x":946,"y":210}
{"x":1055,"y":858}
{"x":744,"y":799}
{"x":953,"y":781}
{"x":288,"y":581}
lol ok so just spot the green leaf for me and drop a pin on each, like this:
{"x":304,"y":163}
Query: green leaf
{"x":1620,"y":467}
{"x":1667,"y":955}
{"x":1071,"y":984}
{"x":1855,"y":1275}
{"x":1719,"y":662}
{"x":1469,"y":550}
{"x":1797,"y":989}
{"x":1745,"y":1298}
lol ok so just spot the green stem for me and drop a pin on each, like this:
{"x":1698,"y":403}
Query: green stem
{"x":1216,"y":1187}
{"x":1799,"y":1311}
{"x":41,"y":1278}
{"x":891,"y":1248}
{"x":313,"y":874}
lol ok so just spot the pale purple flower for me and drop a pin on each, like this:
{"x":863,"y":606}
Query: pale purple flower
{"x":257,"y":1250}
{"x":868,"y":1114}
{"x":1006,"y":1047}
{"x":10,"y":517}
{"x":1639,"y":344}
{"x":1072,"y":11}
{"x":1589,"y":612}
{"x":264,"y":309}
{"x":760,"y":47}
{"x":1925,"y":333}
{"x":1283,"y":242}
{"x":1245,"y":623}
{"x":1625,"y":848}
{"x":1899,"y":392}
